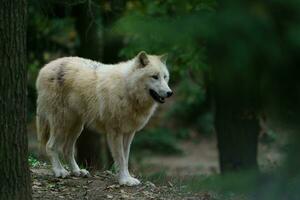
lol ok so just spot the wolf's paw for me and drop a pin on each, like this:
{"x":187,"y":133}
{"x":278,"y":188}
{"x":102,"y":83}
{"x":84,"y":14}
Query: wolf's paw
{"x":81,"y":172}
{"x":61,"y":173}
{"x":129,"y":181}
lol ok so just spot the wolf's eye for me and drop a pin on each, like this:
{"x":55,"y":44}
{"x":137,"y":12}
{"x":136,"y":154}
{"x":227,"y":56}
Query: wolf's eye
{"x":165,"y":77}
{"x":154,"y":77}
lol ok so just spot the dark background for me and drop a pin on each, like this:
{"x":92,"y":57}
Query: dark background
{"x":233,"y":70}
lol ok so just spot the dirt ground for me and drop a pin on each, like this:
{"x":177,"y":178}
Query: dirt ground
{"x":199,"y":158}
{"x":103,"y":186}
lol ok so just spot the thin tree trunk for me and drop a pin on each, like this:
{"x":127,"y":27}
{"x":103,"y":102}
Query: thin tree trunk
{"x":14,"y":172}
{"x":92,"y":149}
{"x":88,"y":26}
{"x":113,"y":42}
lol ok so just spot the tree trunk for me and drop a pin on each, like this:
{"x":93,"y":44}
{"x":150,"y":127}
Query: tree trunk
{"x":237,"y":125}
{"x":237,"y":133}
{"x":14,"y":172}
{"x":89,"y":29}
{"x":92,"y":149}
{"x":113,"y":42}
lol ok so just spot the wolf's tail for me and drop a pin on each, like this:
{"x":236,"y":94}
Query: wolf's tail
{"x":43,"y":131}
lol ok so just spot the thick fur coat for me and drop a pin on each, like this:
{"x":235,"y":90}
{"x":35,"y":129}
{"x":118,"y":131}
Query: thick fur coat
{"x":116,"y":99}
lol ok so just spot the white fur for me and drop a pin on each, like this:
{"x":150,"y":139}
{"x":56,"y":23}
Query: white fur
{"x":115,"y":99}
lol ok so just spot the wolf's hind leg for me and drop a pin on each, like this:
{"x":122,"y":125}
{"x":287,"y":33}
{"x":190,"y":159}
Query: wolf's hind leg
{"x":69,"y":150}
{"x":52,"y":146}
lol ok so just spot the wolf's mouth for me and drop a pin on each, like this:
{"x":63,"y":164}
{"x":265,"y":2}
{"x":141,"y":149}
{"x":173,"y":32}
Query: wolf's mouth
{"x":156,"y":96}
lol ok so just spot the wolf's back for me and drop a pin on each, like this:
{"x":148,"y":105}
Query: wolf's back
{"x":54,"y":82}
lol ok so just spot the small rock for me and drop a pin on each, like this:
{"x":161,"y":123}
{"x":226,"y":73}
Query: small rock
{"x":37,"y":183}
{"x":148,"y":194}
{"x":113,"y":186}
{"x":124,"y":196}
{"x":36,"y":187}
{"x":148,"y":183}
{"x":170,"y":184}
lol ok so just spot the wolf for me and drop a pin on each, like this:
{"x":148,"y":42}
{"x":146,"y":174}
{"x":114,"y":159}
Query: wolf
{"x":116,"y":99}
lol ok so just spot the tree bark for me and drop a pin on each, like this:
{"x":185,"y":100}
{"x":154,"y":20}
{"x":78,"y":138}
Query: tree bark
{"x":88,"y":26}
{"x":14,"y":171}
{"x":237,"y":133}
{"x":236,"y":123}
{"x":92,"y":150}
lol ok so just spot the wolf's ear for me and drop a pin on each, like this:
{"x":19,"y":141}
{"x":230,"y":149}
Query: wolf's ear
{"x":142,"y":59}
{"x":163,"y":58}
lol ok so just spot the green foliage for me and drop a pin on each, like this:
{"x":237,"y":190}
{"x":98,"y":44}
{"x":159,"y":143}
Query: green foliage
{"x":153,"y":26}
{"x":205,"y":123}
{"x":190,"y":109}
{"x":158,"y":140}
{"x":182,"y":134}
{"x":33,"y":162}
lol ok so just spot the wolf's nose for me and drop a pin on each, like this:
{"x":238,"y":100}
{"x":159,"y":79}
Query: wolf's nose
{"x":169,"y":94}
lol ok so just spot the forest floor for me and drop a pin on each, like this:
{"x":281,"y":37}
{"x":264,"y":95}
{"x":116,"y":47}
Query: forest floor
{"x":103,"y":185}
{"x":200,"y":157}
{"x":159,"y":175}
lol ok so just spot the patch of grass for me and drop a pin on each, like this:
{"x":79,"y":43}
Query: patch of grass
{"x":239,"y":185}
{"x":33,"y":162}
{"x":157,"y":177}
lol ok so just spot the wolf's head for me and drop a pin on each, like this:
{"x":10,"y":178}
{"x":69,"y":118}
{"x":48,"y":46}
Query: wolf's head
{"x":152,"y":76}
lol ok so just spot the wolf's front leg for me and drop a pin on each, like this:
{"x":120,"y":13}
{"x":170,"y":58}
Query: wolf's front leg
{"x":116,"y":145}
{"x":127,"y":140}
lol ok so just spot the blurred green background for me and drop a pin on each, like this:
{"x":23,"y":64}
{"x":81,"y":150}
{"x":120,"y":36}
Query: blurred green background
{"x":233,"y":70}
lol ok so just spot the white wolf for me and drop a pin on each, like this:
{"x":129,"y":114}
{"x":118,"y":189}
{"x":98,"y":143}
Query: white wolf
{"x":116,"y":99}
